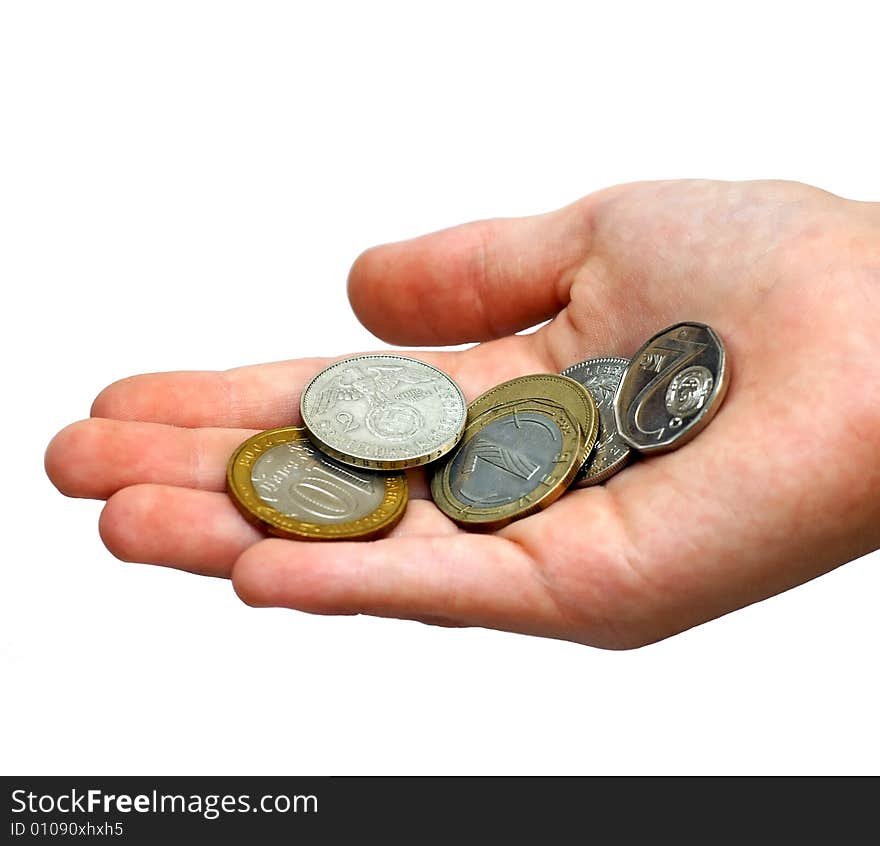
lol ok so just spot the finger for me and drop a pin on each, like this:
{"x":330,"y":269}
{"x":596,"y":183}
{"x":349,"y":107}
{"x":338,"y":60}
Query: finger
{"x":95,"y":458}
{"x":473,"y":282}
{"x":264,"y":396}
{"x":462,"y":579}
{"x":202,"y":531}
{"x":198,"y":531}
{"x":255,"y":397}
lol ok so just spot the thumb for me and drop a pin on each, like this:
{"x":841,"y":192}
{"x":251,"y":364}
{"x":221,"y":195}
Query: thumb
{"x":472,"y":282}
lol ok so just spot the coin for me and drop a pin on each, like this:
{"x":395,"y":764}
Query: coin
{"x":283,"y":483}
{"x":601,"y":376}
{"x":524,"y":441}
{"x":672,"y":388}
{"x":386,"y":412}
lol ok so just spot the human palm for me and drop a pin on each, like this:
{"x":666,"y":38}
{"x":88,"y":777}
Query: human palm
{"x":782,"y":485}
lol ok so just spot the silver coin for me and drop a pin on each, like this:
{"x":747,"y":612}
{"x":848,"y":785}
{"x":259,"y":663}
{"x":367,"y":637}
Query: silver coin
{"x":386,"y":412}
{"x":299,"y":481}
{"x":672,"y":388}
{"x":601,"y":376}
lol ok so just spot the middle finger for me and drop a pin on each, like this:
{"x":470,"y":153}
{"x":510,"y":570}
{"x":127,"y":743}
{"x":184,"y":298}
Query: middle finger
{"x":95,"y":458}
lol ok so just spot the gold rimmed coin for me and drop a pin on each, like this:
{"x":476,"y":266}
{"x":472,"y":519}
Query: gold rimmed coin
{"x":523,"y":444}
{"x":283,"y":483}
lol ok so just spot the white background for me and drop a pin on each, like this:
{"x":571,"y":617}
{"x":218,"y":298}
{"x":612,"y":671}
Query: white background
{"x":184,"y":185}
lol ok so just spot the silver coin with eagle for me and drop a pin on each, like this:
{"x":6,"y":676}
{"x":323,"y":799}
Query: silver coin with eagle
{"x":385,"y":412}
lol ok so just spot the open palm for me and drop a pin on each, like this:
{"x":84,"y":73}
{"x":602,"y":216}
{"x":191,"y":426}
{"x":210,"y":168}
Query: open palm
{"x":782,"y":486}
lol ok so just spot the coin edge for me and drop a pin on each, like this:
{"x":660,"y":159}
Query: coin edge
{"x":240,"y":489}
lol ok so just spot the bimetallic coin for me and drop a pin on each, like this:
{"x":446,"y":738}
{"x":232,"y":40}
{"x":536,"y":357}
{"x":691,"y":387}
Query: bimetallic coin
{"x":523,"y":444}
{"x":672,"y":388}
{"x":386,"y":412}
{"x":282,"y":482}
{"x":601,"y":376}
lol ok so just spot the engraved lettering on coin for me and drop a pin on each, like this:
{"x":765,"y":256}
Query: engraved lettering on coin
{"x":507,"y":460}
{"x":601,"y":377}
{"x":652,"y":362}
{"x":676,"y":383}
{"x":688,"y":391}
{"x":383,"y":411}
{"x":300,"y":482}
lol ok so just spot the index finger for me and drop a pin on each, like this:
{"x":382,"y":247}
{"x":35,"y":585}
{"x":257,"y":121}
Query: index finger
{"x":263,"y":396}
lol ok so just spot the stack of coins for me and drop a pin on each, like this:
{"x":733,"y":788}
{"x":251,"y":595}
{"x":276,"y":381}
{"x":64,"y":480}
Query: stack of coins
{"x":513,"y":451}
{"x":340,"y":476}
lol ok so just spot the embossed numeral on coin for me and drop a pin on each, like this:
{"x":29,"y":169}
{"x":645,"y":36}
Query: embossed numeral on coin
{"x":346,"y":420}
{"x":676,"y":354}
{"x":322,"y":495}
{"x":281,"y":481}
{"x":524,"y":442}
{"x":504,"y":459}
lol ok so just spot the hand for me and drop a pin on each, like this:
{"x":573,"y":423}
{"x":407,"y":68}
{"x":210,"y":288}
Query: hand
{"x":781,"y":487}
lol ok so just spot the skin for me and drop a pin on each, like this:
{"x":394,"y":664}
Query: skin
{"x":781,"y":487}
